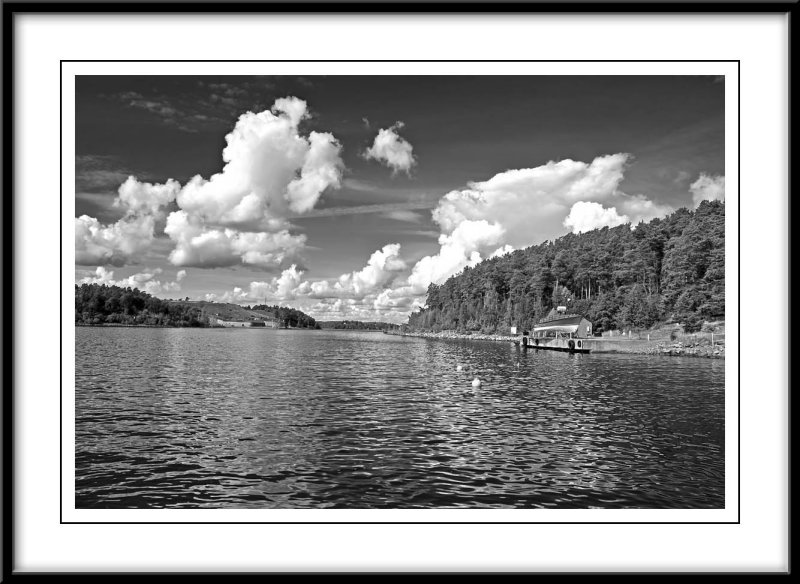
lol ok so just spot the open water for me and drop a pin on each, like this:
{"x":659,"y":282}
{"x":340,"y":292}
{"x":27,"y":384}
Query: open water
{"x":224,"y":418}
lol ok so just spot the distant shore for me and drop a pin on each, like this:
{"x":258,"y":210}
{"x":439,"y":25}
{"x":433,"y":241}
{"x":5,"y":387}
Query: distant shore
{"x":669,"y":348}
{"x":121,"y":325}
{"x":207,"y":326}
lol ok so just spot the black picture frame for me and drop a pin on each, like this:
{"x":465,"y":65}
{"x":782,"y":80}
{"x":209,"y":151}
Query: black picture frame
{"x":11,"y":288}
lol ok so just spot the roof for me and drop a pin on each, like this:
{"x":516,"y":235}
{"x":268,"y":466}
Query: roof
{"x":565,"y":323}
{"x":561,"y":320}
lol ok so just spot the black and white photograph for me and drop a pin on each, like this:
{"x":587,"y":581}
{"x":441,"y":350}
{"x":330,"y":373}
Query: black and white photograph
{"x":503,"y":289}
{"x":400,"y":292}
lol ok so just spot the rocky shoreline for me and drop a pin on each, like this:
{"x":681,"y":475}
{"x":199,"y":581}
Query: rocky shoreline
{"x":703,"y":349}
{"x":458,"y":336}
{"x":679,"y":349}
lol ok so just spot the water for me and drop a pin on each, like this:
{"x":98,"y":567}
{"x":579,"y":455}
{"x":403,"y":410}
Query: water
{"x":228,"y":418}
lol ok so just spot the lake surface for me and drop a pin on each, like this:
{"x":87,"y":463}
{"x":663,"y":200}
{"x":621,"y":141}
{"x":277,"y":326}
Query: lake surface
{"x":224,"y":418}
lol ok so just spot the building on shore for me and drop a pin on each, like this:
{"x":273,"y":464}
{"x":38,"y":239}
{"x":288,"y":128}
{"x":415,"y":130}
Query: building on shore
{"x":560,"y":324}
{"x":253,"y":323}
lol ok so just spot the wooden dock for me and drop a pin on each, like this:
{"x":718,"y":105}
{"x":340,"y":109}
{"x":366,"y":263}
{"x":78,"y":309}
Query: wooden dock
{"x":592,"y":345}
{"x":566,"y":345}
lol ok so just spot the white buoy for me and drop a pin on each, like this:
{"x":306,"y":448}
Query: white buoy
{"x":459,"y":368}
{"x":476,"y":382}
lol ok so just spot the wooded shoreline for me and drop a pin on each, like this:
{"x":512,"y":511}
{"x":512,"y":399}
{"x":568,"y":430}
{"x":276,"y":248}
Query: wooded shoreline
{"x":670,"y":270}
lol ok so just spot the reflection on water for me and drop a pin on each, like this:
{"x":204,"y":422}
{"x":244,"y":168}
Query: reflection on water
{"x":298,"y":419}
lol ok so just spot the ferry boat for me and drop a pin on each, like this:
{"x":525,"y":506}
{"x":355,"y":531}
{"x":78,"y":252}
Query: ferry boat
{"x":559,"y":331}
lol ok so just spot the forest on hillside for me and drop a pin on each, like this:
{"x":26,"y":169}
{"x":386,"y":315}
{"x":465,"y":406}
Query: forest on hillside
{"x":671,"y":270}
{"x":98,"y":304}
{"x":355,"y":325}
{"x":101,"y":304}
{"x":287,"y":317}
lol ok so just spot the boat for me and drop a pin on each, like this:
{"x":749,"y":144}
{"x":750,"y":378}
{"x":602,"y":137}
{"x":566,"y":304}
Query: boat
{"x":559,"y":331}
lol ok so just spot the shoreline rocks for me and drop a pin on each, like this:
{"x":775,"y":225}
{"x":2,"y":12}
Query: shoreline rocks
{"x":459,"y":336}
{"x":659,"y":348}
{"x":680,"y":349}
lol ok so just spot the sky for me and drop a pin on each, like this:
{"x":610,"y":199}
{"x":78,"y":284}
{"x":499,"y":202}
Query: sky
{"x":346,"y":196}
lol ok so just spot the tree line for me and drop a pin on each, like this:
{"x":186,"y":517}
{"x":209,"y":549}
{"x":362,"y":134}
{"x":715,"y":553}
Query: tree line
{"x":97,"y":304}
{"x":670,"y":270}
{"x":356,"y":325}
{"x":287,"y":317}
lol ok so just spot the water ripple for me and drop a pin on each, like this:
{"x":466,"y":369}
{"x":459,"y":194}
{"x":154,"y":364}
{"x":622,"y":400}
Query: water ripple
{"x":323,"y":419}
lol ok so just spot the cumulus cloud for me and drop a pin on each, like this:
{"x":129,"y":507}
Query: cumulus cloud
{"x":197,"y":245}
{"x":270,"y":170}
{"x":362,"y":294}
{"x":116,"y":244}
{"x":531,"y":203}
{"x":641,"y":209}
{"x":235,"y":296}
{"x":501,"y":251}
{"x":381,"y":270}
{"x":238,"y":216}
{"x":124,"y":241}
{"x":392,"y":150}
{"x":586,"y":216}
{"x":512,"y":210}
{"x":707,"y":188}
{"x":322,"y":168}
{"x":458,"y":250}
{"x":351,"y":309}
{"x":288,"y":282}
{"x":516,"y":209}
{"x":382,"y":267}
{"x":143,"y":197}
{"x":522,"y":207}
{"x":143,"y":281}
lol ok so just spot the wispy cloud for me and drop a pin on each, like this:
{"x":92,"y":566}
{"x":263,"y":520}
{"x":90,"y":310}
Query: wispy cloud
{"x":159,"y":106}
{"x":97,"y":179}
{"x":361,"y":186}
{"x":691,"y":136}
{"x":403,"y":215}
{"x":367,"y":209}
{"x":99,"y":173}
{"x":681,"y":177}
{"x":206,"y":105}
